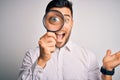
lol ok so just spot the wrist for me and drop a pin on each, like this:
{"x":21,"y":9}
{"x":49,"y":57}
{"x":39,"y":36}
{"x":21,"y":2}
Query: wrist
{"x":107,"y":67}
{"x":41,"y":62}
{"x":106,"y":77}
{"x":107,"y":72}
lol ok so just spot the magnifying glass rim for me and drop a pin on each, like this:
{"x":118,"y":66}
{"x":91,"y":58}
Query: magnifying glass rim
{"x":45,"y":18}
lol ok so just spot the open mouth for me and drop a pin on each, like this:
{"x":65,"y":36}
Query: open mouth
{"x":60,"y":36}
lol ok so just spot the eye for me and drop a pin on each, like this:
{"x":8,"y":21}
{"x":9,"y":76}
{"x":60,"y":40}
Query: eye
{"x":54,"y":19}
{"x":66,"y":20}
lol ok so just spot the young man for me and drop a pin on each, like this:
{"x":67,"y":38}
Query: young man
{"x":57,"y":58}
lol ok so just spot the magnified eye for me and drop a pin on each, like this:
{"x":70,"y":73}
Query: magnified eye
{"x":54,"y":20}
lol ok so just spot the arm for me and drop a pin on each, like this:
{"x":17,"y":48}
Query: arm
{"x":47,"y":46}
{"x":110,"y":61}
{"x":33,"y":70}
{"x":94,"y":71}
{"x":29,"y":69}
{"x":106,"y":77}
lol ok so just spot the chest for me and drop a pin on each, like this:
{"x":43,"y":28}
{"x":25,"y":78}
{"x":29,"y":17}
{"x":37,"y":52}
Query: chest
{"x":67,"y":67}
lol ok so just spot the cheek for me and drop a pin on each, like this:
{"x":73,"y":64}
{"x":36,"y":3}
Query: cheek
{"x":68,"y":26}
{"x":68,"y":31}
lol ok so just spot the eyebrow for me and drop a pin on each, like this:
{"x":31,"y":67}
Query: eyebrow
{"x":66,"y":15}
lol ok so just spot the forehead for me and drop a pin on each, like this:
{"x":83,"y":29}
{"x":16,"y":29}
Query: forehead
{"x":64,"y":11}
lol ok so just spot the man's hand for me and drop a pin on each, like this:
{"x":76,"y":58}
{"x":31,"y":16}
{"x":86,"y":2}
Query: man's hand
{"x":110,"y":61}
{"x":47,"y":46}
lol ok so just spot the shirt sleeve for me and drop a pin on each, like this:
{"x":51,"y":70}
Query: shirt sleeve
{"x":94,"y":70}
{"x":30,"y":70}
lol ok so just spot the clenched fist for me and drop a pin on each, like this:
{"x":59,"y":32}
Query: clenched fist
{"x":47,"y":46}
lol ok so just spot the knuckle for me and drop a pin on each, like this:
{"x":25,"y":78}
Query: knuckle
{"x":48,"y":33}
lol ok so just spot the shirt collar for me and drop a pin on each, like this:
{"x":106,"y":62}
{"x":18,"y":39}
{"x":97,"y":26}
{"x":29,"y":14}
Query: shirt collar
{"x":68,"y":45}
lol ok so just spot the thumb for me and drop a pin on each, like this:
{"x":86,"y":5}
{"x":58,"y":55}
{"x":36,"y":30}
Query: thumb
{"x":108,"y":52}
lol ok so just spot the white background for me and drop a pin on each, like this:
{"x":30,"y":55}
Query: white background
{"x":96,"y":26}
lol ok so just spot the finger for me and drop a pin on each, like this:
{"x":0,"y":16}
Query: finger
{"x":51,"y":34}
{"x":51,"y":44}
{"x":47,"y":40}
{"x":118,"y":55}
{"x":118,"y":52}
{"x":48,"y":34}
{"x":50,"y":49}
{"x":51,"y":40}
{"x":108,"y":52}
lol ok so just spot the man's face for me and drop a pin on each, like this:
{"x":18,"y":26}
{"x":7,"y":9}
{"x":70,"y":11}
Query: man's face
{"x":64,"y":33}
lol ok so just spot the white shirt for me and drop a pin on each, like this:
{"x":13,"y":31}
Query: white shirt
{"x":71,"y":62}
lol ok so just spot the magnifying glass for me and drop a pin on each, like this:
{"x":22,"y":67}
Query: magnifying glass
{"x":53,"y":21}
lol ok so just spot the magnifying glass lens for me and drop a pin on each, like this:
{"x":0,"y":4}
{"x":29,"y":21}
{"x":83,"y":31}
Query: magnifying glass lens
{"x":53,"y":21}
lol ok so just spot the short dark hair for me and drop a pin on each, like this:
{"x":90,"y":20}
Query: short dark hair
{"x":59,"y":4}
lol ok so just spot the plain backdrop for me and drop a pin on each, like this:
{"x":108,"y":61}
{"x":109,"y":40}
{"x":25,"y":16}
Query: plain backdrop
{"x":96,"y":26}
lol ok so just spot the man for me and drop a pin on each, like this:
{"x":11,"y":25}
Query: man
{"x":57,"y":58}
